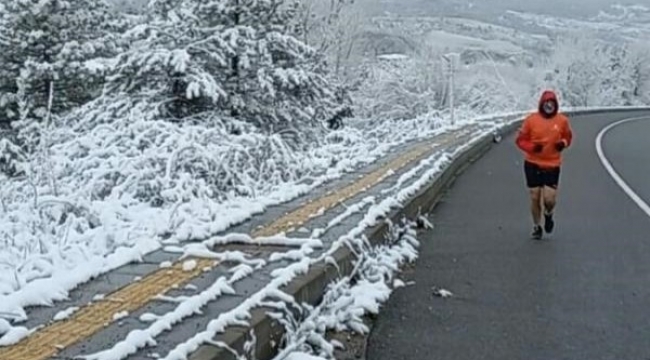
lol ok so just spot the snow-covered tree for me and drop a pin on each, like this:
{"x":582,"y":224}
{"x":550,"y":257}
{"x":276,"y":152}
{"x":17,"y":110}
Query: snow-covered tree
{"x":591,"y":72}
{"x":400,"y":87}
{"x":53,"y":49}
{"x":334,"y":27}
{"x":577,"y":69}
{"x":629,"y":73}
{"x":12,"y":158}
{"x":240,"y":58}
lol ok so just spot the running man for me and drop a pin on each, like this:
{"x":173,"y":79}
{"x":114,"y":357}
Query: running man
{"x":542,"y":137}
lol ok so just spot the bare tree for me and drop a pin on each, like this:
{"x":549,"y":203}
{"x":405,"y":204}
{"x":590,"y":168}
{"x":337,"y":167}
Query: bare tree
{"x":333,"y":27}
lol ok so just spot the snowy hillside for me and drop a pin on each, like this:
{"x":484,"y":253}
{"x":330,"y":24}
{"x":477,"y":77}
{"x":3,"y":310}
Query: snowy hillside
{"x":505,"y":62}
{"x":621,"y":23}
{"x":419,"y":26}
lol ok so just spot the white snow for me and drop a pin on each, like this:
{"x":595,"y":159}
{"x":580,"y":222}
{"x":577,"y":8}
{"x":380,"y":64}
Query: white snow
{"x":170,"y":299}
{"x":202,"y":251}
{"x":349,"y":211}
{"x":425,"y":222}
{"x":234,"y":238}
{"x":45,"y":291}
{"x":393,"y":57}
{"x":148,"y":317}
{"x":318,"y":213}
{"x":240,"y":272}
{"x":120,"y":315}
{"x":344,"y":305}
{"x":124,"y":228}
{"x":65,"y":314}
{"x":166,"y":264}
{"x":238,"y":315}
{"x":303,"y":356}
{"x":188,"y":306}
{"x":14,"y":335}
{"x":294,"y":255}
{"x":368,"y":292}
{"x":189,"y":265}
{"x":443,"y":293}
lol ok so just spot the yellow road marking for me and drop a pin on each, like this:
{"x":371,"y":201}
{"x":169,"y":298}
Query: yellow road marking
{"x":299,"y":216}
{"x":52,"y":338}
{"x":48,"y":341}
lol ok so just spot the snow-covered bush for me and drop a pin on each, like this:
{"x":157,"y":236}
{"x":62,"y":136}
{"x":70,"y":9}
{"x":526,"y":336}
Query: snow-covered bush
{"x":12,"y":157}
{"x":119,"y":178}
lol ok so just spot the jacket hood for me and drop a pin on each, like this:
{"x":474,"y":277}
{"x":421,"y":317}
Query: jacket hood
{"x":548,"y":95}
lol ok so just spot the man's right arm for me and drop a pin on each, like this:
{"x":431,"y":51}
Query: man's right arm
{"x":523,"y":137}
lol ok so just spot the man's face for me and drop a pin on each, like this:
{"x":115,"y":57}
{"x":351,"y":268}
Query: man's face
{"x":549,"y":107}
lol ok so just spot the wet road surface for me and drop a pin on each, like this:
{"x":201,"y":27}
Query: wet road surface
{"x":581,"y":293}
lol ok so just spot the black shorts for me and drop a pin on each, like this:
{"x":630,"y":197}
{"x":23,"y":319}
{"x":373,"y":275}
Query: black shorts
{"x":539,"y":177}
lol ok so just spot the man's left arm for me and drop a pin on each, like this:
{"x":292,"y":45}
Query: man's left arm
{"x":566,"y":136}
{"x":567,"y":133}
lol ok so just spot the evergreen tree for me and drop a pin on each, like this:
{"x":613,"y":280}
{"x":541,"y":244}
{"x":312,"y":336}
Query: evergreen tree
{"x":239,"y":57}
{"x":53,"y":47}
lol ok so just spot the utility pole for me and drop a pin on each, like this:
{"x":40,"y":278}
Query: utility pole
{"x":452,"y":61}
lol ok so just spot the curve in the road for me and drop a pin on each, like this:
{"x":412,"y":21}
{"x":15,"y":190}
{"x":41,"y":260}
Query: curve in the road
{"x":583,"y":294}
{"x":610,"y":169}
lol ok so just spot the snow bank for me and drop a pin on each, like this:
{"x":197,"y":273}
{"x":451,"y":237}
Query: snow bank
{"x":347,"y":301}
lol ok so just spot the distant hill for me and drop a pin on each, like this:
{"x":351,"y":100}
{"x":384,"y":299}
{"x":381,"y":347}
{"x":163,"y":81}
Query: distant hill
{"x":621,"y":23}
{"x":473,"y":39}
{"x":490,"y":9}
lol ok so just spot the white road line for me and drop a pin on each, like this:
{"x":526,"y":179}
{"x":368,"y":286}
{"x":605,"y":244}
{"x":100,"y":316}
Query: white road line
{"x":608,"y":166}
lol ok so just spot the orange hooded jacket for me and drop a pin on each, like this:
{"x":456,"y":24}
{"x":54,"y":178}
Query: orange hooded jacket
{"x":546,"y":130}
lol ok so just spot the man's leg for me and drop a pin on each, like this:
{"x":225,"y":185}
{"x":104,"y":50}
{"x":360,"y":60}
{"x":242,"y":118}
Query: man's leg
{"x":536,"y":205}
{"x":550,"y":198}
{"x":536,"y":211}
{"x":534,"y":182}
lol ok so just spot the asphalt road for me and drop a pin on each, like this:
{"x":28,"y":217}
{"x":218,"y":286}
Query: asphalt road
{"x":581,"y":293}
